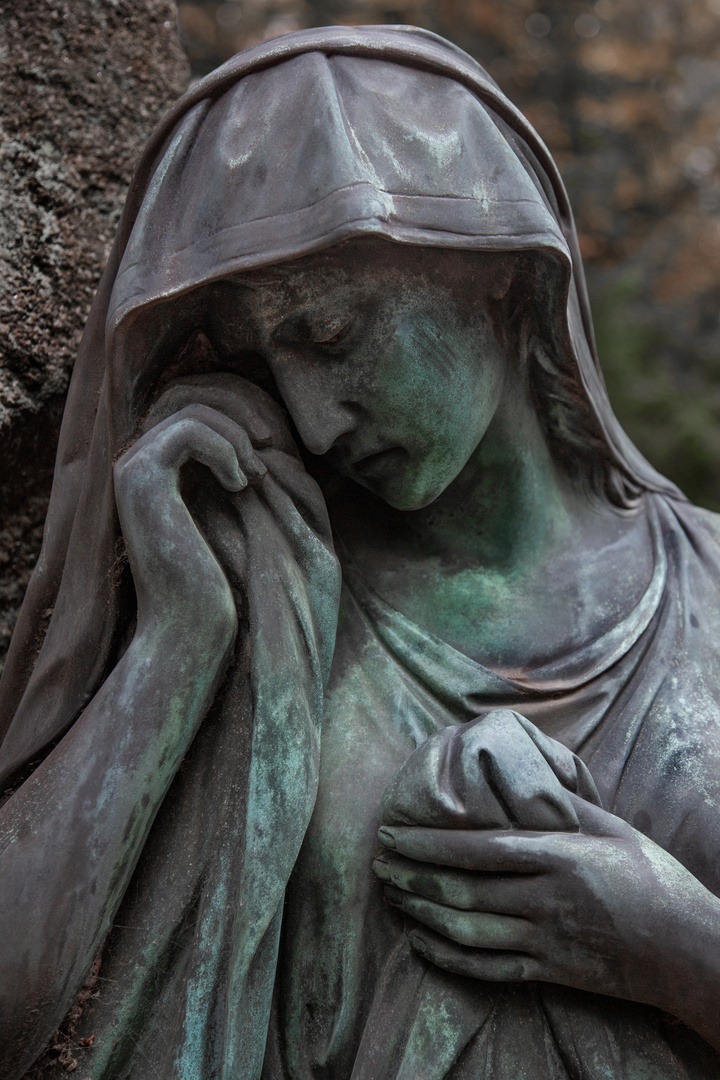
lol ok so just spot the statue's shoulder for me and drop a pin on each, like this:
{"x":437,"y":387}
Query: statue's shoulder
{"x":700,"y":528}
{"x":706,"y":520}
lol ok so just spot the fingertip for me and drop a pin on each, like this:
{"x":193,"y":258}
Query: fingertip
{"x":254,"y":468}
{"x":393,"y":896}
{"x":259,"y":431}
{"x":234,"y":482}
{"x":386,"y":837}
{"x":381,"y":870}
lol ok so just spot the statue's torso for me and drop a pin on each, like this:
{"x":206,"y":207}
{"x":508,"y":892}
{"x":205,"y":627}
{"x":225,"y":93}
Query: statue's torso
{"x":352,"y":998}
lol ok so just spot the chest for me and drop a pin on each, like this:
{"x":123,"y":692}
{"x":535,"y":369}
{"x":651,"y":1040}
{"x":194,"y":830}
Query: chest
{"x":517,"y":621}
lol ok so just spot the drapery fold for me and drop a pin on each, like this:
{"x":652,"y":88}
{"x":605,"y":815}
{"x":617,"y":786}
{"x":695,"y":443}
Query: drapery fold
{"x":188,"y":967}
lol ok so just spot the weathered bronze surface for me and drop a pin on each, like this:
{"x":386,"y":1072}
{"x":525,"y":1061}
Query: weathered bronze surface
{"x":362,"y":715}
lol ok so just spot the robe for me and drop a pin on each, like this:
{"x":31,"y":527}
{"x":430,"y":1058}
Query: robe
{"x":640,"y":706}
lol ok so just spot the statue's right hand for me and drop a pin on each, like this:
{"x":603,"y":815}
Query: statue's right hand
{"x":173,"y":568}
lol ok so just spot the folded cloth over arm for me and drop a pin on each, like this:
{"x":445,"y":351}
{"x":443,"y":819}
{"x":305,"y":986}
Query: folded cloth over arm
{"x":496,"y":772}
{"x":189,"y":954}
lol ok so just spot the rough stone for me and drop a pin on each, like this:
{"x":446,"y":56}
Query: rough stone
{"x":82,"y":83}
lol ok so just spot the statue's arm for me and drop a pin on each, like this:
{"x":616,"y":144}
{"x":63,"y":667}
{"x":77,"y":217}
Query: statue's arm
{"x":71,"y":835}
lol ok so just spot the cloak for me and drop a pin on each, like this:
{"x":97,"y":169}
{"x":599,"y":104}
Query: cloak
{"x":289,"y":148}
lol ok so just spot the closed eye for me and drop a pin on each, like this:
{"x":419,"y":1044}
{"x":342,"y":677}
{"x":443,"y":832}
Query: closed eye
{"x":323,"y":334}
{"x":334,"y":337}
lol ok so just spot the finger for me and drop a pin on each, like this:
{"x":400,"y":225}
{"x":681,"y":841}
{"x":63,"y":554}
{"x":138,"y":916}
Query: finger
{"x":478,"y":929}
{"x":463,"y":889}
{"x":192,"y":440}
{"x":168,"y":450}
{"x":259,"y":432}
{"x":238,"y":438}
{"x":489,"y":965}
{"x":232,"y":395}
{"x":248,"y":461}
{"x":508,"y":850}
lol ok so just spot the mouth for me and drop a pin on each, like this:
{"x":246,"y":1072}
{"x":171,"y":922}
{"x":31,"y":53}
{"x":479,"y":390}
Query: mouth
{"x":377,"y":462}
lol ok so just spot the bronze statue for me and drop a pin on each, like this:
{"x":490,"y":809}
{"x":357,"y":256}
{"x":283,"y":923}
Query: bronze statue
{"x":362,"y":714}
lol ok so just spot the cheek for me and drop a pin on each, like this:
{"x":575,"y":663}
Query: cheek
{"x":440,"y":421}
{"x":449,"y":402}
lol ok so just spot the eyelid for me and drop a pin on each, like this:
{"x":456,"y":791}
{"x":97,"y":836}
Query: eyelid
{"x":339,"y":336}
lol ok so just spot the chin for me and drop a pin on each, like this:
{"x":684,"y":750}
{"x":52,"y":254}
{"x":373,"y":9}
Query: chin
{"x":406,"y":498}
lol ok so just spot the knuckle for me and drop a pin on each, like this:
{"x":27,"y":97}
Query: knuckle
{"x":424,"y":885}
{"x":470,"y":893}
{"x":460,"y":895}
{"x":515,"y":970}
{"x":188,"y":426}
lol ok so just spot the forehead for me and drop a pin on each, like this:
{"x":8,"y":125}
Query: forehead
{"x":349,"y":274}
{"x":360,"y":259}
{"x":358,"y":269}
{"x":362,"y":276}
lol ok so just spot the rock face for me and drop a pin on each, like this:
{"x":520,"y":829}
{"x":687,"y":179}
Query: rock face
{"x":82,"y":83}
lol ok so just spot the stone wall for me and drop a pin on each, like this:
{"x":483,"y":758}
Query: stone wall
{"x":82,"y":83}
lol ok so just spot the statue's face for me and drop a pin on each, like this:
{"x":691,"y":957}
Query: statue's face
{"x":384,"y":365}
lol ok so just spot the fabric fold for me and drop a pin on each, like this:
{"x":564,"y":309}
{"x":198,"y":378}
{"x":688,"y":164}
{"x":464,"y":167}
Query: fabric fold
{"x":202,"y":915}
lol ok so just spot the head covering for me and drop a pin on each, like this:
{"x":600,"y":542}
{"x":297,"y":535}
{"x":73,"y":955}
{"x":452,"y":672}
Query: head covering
{"x":288,"y":148}
{"x":305,"y":141}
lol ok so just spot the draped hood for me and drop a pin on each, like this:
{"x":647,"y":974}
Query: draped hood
{"x":288,"y":148}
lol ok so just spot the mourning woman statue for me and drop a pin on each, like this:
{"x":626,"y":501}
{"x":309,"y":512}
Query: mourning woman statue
{"x":362,"y":717}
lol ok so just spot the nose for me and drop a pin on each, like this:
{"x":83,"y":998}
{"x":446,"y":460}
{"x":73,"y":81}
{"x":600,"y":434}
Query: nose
{"x":316,"y":399}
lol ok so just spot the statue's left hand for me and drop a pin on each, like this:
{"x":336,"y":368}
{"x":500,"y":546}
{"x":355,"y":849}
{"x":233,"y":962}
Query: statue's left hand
{"x":611,"y":913}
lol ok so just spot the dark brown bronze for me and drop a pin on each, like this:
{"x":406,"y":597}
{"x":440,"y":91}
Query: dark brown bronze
{"x":361,"y":720}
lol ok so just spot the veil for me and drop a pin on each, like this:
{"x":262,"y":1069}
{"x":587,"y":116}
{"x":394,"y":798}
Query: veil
{"x":288,"y":148}
{"x":202,"y":206}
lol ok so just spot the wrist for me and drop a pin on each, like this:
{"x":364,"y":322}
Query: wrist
{"x":690,"y":988}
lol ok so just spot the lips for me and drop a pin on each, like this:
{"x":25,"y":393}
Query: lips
{"x":376,"y":462}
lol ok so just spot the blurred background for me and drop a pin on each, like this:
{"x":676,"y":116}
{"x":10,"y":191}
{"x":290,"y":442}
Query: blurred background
{"x":626,"y":93}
